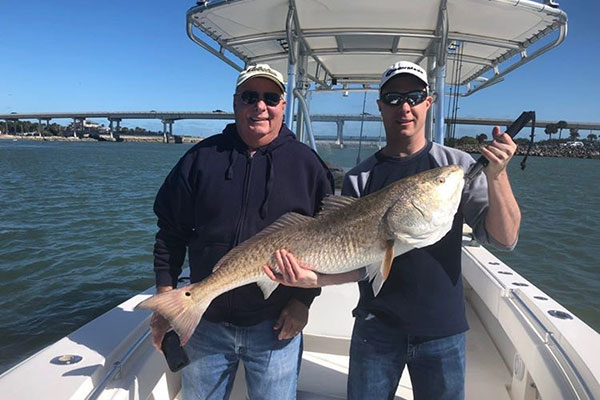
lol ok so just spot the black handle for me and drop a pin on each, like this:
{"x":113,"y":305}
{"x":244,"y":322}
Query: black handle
{"x":513,"y":129}
{"x":175,"y":355}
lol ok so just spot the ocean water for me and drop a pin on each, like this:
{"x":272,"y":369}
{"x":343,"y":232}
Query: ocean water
{"x":77,"y":232}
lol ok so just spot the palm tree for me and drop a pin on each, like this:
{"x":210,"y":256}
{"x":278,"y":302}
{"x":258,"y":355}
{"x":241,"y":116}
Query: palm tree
{"x":592,"y":137}
{"x":574,"y":133}
{"x":561,"y":125}
{"x":550,"y":129}
{"x":481,"y":138}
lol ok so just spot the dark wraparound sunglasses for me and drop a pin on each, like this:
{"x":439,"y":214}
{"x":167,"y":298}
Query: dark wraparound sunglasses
{"x":397,"y":99}
{"x":252,"y":97}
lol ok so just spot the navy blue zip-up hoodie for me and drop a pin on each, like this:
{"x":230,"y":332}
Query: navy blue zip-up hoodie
{"x":217,"y":196}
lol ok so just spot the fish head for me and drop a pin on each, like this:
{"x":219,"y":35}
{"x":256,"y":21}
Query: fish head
{"x":426,"y":203}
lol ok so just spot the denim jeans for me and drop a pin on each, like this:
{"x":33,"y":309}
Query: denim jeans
{"x":215,"y":349}
{"x":379,"y":352}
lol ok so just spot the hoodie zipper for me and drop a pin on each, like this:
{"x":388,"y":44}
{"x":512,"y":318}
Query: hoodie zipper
{"x":240,"y":224}
{"x":245,"y":200}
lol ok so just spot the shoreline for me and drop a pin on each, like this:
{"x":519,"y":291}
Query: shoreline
{"x":588,"y":151}
{"x":558,"y":149}
{"x":101,"y":138}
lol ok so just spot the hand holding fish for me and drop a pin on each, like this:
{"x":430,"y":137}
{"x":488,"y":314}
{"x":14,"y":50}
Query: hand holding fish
{"x":292,"y":320}
{"x":293,"y":271}
{"x":160,"y":327}
{"x":498,"y":152}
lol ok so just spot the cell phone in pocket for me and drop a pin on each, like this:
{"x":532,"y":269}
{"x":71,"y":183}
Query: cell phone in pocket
{"x":174,"y":354}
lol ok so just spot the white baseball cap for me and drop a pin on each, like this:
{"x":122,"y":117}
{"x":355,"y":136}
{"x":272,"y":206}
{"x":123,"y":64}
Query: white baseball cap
{"x":263,"y":71}
{"x":403,"y":67}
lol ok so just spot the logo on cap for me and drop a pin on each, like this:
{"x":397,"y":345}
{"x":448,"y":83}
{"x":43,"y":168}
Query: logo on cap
{"x":400,"y":68}
{"x":403,"y":67}
{"x":263,"y":70}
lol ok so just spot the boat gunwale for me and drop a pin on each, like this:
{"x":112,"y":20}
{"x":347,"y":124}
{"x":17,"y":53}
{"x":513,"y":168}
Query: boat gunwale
{"x":515,"y":307}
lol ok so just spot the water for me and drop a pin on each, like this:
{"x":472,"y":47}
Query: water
{"x":77,"y":231}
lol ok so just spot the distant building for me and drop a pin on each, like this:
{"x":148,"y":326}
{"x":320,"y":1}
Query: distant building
{"x":94,"y":126}
{"x":573,"y":144}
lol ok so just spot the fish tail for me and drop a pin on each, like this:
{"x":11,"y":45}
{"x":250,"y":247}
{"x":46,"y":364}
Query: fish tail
{"x":179,"y":307}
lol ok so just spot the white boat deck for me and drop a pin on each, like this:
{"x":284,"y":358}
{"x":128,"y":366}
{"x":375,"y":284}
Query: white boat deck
{"x":324,"y":368}
{"x":507,"y":328}
{"x":487,"y":374}
{"x":323,"y":374}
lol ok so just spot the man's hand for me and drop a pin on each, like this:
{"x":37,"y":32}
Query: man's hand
{"x":498,"y":152}
{"x":160,"y":327}
{"x":158,"y":324}
{"x":293,"y":272}
{"x":503,"y":218}
{"x":292,"y":320}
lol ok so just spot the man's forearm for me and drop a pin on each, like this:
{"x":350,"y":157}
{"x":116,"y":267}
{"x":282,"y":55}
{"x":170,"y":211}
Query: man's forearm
{"x":504,"y":216}
{"x":338,"y":279}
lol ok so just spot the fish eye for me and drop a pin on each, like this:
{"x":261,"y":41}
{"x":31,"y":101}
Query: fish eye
{"x":441,"y":180}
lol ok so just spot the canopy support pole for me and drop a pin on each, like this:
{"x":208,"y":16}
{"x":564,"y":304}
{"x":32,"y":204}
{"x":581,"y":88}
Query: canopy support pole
{"x":439,"y":106}
{"x":303,"y":107}
{"x":431,"y":77}
{"x":292,"y":67}
{"x":440,"y":72}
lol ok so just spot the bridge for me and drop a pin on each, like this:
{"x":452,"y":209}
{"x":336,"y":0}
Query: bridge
{"x":169,"y":117}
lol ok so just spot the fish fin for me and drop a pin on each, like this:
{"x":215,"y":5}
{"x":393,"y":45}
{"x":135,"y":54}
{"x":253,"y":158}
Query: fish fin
{"x":286,"y":220}
{"x":376,"y":277}
{"x":379,"y":272}
{"x":267,"y":286}
{"x":333,"y":203}
{"x":179,"y":308}
{"x":386,"y":264}
{"x":372,"y":270}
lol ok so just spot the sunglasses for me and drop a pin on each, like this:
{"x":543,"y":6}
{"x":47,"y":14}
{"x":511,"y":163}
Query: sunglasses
{"x":397,"y":99}
{"x":252,"y":97}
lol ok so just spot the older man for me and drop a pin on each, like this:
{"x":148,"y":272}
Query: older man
{"x":418,"y":318}
{"x":221,"y":192}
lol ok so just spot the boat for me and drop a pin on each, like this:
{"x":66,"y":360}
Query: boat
{"x":522,"y":344}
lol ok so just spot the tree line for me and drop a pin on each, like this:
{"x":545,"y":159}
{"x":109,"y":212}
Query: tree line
{"x":549,"y":130}
{"x":558,"y":127}
{"x":54,"y":129}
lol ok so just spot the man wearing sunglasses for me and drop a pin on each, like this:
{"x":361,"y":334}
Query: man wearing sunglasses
{"x":222,"y":191}
{"x":418,"y":318}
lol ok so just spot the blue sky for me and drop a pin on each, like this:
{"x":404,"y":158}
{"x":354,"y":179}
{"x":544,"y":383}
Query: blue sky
{"x":136,"y":56}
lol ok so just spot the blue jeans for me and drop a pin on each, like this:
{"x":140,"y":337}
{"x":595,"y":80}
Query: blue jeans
{"x":379,"y":352}
{"x":215,"y":349}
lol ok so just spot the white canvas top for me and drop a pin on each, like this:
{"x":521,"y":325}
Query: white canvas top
{"x":354,"y":41}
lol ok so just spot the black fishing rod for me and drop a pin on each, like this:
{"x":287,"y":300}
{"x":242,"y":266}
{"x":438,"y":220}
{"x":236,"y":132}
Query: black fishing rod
{"x":513,"y":129}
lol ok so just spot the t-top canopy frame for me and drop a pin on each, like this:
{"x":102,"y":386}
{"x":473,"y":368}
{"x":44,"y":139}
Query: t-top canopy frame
{"x":335,"y":44}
